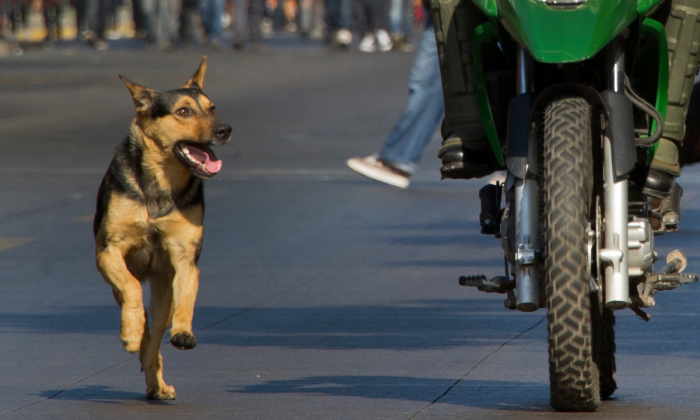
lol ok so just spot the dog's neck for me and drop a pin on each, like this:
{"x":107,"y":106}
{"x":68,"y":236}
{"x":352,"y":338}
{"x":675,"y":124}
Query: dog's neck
{"x":164,"y":183}
{"x":163,"y":168}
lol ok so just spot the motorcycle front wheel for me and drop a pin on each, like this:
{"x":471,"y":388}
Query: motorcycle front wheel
{"x":568,"y":173}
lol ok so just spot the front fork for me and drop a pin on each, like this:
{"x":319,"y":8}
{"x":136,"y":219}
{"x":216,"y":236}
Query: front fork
{"x":615,"y":254}
{"x":527,"y":198}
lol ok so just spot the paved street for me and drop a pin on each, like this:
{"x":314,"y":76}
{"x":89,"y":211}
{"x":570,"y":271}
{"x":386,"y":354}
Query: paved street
{"x":323,"y":295}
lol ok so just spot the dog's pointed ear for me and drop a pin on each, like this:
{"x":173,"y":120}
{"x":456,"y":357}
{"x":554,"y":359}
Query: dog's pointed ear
{"x":142,"y":96}
{"x":197,"y":81}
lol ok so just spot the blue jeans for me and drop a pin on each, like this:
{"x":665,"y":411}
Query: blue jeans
{"x":211,"y":12}
{"x":338,"y":14}
{"x":423,"y":115}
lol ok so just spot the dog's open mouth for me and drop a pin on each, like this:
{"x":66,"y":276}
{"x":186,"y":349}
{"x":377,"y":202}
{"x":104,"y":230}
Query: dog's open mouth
{"x":199,"y":158}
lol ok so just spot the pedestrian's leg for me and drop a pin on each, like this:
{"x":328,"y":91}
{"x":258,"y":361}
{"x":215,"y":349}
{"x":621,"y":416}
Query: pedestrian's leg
{"x":257,"y":9}
{"x":405,"y":145}
{"x":240,"y":9}
{"x":188,"y":17}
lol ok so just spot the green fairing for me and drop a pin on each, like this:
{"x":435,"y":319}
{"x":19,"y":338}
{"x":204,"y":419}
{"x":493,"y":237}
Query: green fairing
{"x":483,"y":33}
{"x":656,"y":29}
{"x":489,"y":8}
{"x":492,"y":11}
{"x":554,"y":35}
{"x":644,"y":6}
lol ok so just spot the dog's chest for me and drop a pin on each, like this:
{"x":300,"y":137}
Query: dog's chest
{"x":149,"y":254}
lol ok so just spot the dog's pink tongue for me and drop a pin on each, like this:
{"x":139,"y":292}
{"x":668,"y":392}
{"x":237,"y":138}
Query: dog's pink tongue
{"x":206,"y":156}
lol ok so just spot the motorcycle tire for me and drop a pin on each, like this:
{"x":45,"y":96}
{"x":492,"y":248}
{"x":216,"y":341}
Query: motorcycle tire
{"x":573,"y":374}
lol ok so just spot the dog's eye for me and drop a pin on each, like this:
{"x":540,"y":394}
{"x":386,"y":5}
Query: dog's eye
{"x":184,"y":112}
{"x":213,"y":110}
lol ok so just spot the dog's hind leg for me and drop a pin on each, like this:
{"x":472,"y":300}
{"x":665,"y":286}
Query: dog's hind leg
{"x":128,"y":294}
{"x":161,"y":310}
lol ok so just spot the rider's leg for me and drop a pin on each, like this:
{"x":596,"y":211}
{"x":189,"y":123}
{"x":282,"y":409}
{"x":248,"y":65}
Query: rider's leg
{"x":681,"y":19}
{"x":466,"y":152}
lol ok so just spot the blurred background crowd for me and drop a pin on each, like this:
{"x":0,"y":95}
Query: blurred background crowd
{"x":240,"y":25}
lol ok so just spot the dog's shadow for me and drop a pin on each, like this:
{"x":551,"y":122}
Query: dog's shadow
{"x":98,"y":394}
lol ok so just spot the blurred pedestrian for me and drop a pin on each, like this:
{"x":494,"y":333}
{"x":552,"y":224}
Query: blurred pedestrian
{"x":167,"y":23}
{"x":143,"y":20}
{"x":404,"y":146}
{"x":53,"y":11}
{"x":310,"y":18}
{"x":106,"y":11}
{"x":339,"y":23}
{"x":212,"y":11}
{"x":249,"y":14}
{"x":189,"y":22}
{"x":85,"y":13}
{"x":374,"y":25}
{"x":401,"y":18}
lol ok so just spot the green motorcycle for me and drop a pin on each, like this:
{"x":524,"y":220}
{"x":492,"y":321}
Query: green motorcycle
{"x":572,"y":96}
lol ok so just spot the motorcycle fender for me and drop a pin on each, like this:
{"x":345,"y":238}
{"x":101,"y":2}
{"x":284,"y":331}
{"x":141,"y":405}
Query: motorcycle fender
{"x":621,"y":121}
{"x":519,"y":121}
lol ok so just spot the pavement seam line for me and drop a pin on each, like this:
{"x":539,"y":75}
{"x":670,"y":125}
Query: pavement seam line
{"x":257,"y":305}
{"x":68,"y":387}
{"x":476,"y":366}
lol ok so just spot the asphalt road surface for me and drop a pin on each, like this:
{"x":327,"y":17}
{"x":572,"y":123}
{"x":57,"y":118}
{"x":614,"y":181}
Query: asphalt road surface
{"x":323,"y":295}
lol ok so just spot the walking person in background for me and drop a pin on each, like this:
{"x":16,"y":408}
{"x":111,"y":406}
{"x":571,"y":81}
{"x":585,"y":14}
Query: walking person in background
{"x":404,"y":146}
{"x":339,"y":23}
{"x":249,"y":14}
{"x":374,"y":25}
{"x":188,"y":22}
{"x":211,"y":12}
{"x":310,"y":18}
{"x":143,"y":20}
{"x":401,"y":19}
{"x":167,"y":23}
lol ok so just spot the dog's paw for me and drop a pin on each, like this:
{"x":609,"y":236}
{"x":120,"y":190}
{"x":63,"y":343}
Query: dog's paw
{"x":183,"y":341}
{"x":166,"y":392}
{"x":131,"y":346}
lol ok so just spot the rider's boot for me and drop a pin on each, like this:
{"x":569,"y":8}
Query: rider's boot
{"x":465,"y":151}
{"x":681,"y":19}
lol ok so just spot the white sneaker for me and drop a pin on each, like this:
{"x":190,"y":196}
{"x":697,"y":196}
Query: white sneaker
{"x":376,"y":170}
{"x":367,"y":44}
{"x":384,"y":41}
{"x":343,"y":37}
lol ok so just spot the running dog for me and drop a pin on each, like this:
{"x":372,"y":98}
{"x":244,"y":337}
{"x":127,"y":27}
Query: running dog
{"x":148,"y":224}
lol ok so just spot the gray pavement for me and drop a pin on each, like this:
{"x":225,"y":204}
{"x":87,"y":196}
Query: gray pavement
{"x":323,"y":295}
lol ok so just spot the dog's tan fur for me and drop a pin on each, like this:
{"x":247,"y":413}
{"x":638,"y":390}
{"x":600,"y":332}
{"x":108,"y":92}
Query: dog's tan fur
{"x":138,"y":239}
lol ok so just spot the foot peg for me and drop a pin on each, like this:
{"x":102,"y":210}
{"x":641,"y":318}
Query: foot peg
{"x":497,"y":284}
{"x":670,"y":277}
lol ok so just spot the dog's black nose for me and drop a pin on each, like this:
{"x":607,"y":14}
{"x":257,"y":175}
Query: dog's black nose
{"x":222,"y":131}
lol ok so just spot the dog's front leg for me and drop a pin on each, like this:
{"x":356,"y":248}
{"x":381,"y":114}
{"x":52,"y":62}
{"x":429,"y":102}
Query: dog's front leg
{"x":185,"y":286}
{"x":183,"y":245}
{"x":127,"y":293}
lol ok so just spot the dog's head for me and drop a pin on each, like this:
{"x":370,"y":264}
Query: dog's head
{"x":183,"y":122}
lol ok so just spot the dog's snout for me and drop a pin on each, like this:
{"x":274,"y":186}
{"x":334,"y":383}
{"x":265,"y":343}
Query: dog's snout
{"x":223,"y":132}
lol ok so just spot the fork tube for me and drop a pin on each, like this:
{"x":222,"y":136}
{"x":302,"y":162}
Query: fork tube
{"x":524,"y":75}
{"x":615,"y":254}
{"x":526,"y":215}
